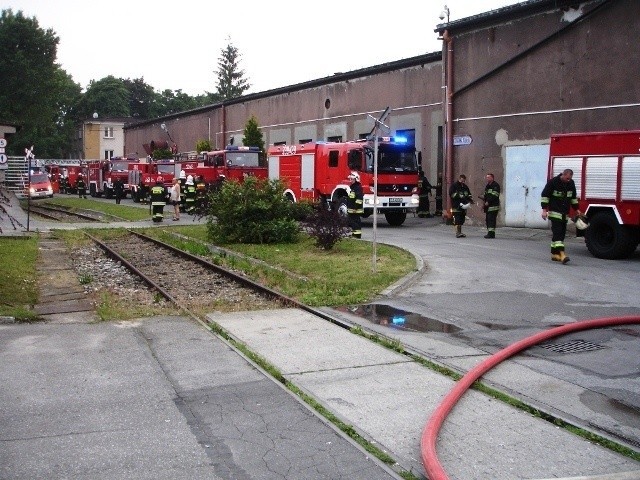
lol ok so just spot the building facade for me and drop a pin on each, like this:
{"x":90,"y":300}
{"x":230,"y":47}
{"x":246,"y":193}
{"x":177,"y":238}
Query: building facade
{"x":488,"y":103}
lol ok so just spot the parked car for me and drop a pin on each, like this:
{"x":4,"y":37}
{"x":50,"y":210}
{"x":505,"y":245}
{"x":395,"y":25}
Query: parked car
{"x":40,"y":186}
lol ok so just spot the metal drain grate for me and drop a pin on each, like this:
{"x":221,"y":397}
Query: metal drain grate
{"x":573,"y":346}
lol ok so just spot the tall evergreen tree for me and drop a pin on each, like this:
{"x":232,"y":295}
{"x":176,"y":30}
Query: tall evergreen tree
{"x":231,"y":82}
{"x":252,"y":134}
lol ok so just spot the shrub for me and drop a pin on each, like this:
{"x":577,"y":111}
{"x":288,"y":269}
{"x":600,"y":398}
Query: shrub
{"x":254,"y":211}
{"x":300,"y":211}
{"x":327,"y":227}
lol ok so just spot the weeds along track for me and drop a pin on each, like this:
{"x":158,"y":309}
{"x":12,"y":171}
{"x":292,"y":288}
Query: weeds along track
{"x":191,"y":282}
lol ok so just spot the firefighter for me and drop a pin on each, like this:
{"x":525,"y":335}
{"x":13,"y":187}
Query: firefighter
{"x":354,"y":205}
{"x":190,"y":196}
{"x":118,"y":189}
{"x":158,"y":201}
{"x":81,"y":186}
{"x":64,"y":184}
{"x":557,"y":198}
{"x":424,"y":192}
{"x":460,"y":202}
{"x":491,"y":206}
{"x":201,"y":193}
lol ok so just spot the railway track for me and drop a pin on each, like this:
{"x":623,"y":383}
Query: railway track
{"x":62,"y":215}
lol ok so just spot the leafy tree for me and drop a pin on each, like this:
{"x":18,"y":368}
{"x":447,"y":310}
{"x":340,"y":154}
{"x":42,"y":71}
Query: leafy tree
{"x":142,"y":99}
{"x":203,"y":146}
{"x":231,"y":82}
{"x":109,"y":97}
{"x":252,"y":134}
{"x":35,"y":93}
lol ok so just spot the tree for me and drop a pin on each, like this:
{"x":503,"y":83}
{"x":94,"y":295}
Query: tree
{"x":35,"y":93}
{"x":142,"y":99}
{"x":252,"y":134}
{"x":109,"y":97}
{"x":231,"y":82}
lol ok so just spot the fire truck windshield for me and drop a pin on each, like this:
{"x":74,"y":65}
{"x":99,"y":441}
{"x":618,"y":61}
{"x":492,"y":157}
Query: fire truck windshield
{"x":119,"y":166}
{"x":243,"y":159}
{"x":393,"y":158}
{"x":168,"y":168}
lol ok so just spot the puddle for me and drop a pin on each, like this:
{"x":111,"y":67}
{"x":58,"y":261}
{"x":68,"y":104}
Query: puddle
{"x":400,"y":319}
{"x":496,"y":326}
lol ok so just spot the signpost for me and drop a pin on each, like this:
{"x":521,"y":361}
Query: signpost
{"x":28,"y":157}
{"x":3,"y":156}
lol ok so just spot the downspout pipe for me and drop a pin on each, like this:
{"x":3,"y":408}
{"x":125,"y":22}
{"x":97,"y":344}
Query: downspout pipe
{"x":224,"y":127}
{"x":448,"y":178}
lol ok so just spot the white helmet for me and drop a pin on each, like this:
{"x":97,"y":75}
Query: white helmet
{"x":465,"y":206}
{"x":354,"y":176}
{"x":190,"y":180}
{"x":182,"y":174}
{"x":581,"y":222}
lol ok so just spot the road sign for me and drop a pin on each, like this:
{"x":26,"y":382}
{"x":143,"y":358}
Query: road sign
{"x":3,"y":158}
{"x":462,"y":140}
{"x":3,"y":142}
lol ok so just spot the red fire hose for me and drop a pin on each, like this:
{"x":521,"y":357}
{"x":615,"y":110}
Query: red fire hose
{"x":434,"y":469}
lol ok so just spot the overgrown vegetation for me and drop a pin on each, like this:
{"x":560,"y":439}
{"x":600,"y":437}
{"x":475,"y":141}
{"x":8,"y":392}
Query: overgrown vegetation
{"x":326,"y":227}
{"x":254,"y":211}
{"x":18,"y":282}
{"x":123,"y":212}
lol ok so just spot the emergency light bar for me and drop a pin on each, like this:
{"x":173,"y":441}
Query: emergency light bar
{"x":396,"y":139}
{"x":243,"y":149}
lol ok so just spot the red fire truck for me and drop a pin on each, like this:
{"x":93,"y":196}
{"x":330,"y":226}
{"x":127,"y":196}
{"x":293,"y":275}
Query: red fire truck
{"x":64,"y":175}
{"x":234,"y":162}
{"x":103,"y":174}
{"x":144,"y":175}
{"x":318,"y":172}
{"x":606,"y":171}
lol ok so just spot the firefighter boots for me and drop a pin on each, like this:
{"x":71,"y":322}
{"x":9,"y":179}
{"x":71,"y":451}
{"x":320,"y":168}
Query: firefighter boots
{"x":555,"y":257}
{"x":459,"y":233}
{"x":563,"y":258}
{"x":490,"y":234}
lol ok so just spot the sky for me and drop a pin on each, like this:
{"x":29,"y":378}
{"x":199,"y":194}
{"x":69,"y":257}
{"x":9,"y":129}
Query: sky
{"x":281,"y":42}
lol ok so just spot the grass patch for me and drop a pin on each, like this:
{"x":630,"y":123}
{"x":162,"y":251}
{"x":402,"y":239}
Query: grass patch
{"x":315,"y":277}
{"x":111,"y":306}
{"x":124,"y":212}
{"x":18,"y":285}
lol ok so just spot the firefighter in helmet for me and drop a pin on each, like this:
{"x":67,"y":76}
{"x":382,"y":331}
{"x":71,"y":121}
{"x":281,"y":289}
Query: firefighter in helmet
{"x":424,"y":192}
{"x":183,"y":191}
{"x":81,"y":187}
{"x":461,"y":200}
{"x":190,"y":196}
{"x":158,"y":201}
{"x":201,"y":193}
{"x":354,"y":205}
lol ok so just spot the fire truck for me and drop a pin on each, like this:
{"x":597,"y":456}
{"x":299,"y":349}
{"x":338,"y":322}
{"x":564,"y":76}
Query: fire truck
{"x":318,"y":172}
{"x":64,"y":175}
{"x":606,"y":171}
{"x":234,"y":162}
{"x":144,"y":175}
{"x":103,"y":174}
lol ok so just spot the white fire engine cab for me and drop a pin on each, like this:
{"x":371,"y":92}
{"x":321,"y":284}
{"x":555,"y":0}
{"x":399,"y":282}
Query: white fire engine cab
{"x":318,"y":172}
{"x":606,"y":171}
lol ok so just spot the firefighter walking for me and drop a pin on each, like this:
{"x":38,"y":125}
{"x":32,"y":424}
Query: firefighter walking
{"x":424,"y":192}
{"x":158,"y":201}
{"x":190,"y":196}
{"x":491,"y":207}
{"x":355,"y":207}
{"x":460,"y":202}
{"x":558,"y":198}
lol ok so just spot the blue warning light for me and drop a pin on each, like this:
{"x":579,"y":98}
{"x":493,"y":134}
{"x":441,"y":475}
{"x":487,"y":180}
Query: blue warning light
{"x":398,"y":320}
{"x":398,"y":139}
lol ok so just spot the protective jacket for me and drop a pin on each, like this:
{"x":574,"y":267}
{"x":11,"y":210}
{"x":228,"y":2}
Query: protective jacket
{"x":459,"y":193}
{"x":492,"y":196}
{"x":158,"y":195}
{"x":354,"y":202}
{"x":559,"y":197}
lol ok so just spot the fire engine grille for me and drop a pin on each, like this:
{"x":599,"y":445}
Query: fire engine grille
{"x":573,"y":346}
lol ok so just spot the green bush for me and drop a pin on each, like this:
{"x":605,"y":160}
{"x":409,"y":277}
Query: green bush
{"x":254,"y":211}
{"x":300,"y":211}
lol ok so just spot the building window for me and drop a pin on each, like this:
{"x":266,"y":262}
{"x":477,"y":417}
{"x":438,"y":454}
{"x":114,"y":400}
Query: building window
{"x":336,"y":139}
{"x":108,"y":154}
{"x":333,"y":158}
{"x":108,"y":132}
{"x":363,"y":136}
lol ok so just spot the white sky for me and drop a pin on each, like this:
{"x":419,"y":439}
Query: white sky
{"x":177,"y":45}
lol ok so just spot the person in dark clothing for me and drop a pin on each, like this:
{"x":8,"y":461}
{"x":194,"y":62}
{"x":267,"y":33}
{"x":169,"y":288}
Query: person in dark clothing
{"x":557,"y":199}
{"x":81,"y":187}
{"x":424,"y":192}
{"x":190,"y":196}
{"x":118,"y":189}
{"x":491,"y":207}
{"x":460,"y":202}
{"x":158,"y":201}
{"x":355,"y":208}
{"x":438,"y":190}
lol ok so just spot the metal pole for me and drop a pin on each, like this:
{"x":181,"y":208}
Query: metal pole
{"x":374,"y":266}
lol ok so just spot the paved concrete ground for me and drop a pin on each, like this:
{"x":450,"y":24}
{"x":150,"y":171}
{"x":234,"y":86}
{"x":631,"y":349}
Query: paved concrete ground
{"x":162,"y":398}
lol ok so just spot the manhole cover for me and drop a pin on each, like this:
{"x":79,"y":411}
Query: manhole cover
{"x":573,"y":346}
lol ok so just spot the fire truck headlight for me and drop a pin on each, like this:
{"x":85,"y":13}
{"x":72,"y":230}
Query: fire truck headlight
{"x":32,"y":190}
{"x":50,"y":190}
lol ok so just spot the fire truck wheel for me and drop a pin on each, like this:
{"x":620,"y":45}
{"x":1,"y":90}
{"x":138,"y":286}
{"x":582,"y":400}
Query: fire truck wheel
{"x":395,"y":219}
{"x":606,"y":238}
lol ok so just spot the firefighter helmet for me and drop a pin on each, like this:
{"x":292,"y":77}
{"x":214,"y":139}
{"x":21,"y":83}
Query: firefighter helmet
{"x":465,"y":206}
{"x":182,"y":174}
{"x":581,"y":222}
{"x":354,"y":176}
{"x":190,"y":180}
